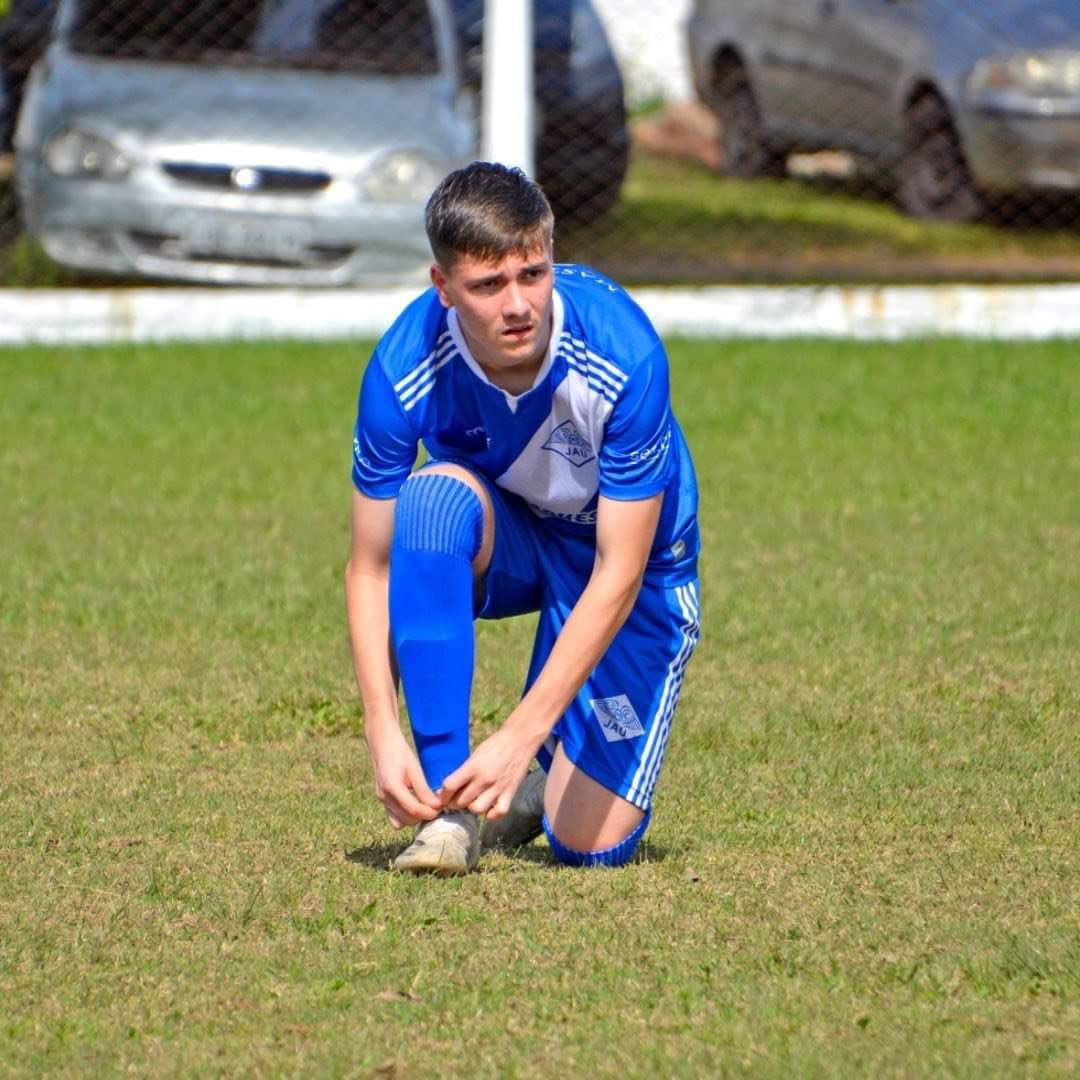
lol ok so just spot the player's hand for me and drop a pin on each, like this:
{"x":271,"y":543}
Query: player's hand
{"x":399,"y":782}
{"x":486,"y":783}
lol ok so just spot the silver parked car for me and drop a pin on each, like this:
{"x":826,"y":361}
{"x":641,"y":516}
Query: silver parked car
{"x":963,"y":101}
{"x":243,"y":141}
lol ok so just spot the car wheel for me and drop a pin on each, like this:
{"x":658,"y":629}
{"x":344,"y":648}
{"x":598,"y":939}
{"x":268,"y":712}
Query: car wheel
{"x":747,"y":153}
{"x":581,"y":174}
{"x":933,"y":179}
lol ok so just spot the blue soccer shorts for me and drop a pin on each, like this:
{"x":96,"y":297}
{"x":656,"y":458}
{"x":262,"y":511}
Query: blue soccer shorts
{"x":616,"y":730}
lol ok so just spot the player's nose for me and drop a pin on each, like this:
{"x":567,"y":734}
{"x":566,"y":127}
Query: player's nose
{"x":515,"y":304}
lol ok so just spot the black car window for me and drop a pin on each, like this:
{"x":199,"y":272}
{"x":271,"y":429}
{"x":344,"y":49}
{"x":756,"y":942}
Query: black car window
{"x":373,"y":35}
{"x":332,"y":35}
{"x":178,"y":30}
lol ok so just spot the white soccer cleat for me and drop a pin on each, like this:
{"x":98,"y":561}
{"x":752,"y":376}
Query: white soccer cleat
{"x":446,"y":846}
{"x":524,"y":820}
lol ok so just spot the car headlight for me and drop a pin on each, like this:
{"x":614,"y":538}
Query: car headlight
{"x":81,"y":153}
{"x":1049,"y":74}
{"x":402,"y":176}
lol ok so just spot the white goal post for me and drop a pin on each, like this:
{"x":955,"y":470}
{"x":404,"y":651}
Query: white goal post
{"x":509,"y":125}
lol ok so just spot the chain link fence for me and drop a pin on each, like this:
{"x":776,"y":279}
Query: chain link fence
{"x":294,"y":141}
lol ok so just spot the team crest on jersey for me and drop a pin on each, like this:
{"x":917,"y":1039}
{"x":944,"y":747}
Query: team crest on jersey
{"x":617,"y":718}
{"x":568,"y":442}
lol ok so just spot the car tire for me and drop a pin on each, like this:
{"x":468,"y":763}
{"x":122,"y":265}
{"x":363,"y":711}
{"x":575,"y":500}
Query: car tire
{"x":933,"y":180}
{"x":747,"y":152}
{"x":583,"y":176}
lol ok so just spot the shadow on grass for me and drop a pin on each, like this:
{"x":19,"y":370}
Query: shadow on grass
{"x":375,"y":856}
{"x":380,"y":856}
{"x":541,"y":855}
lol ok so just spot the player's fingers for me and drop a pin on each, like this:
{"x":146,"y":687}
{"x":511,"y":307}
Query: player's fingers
{"x":408,"y":808}
{"x":452,"y":795}
{"x":397,"y":810}
{"x":468,"y":794}
{"x":501,"y":807}
{"x":482,"y":804}
{"x":453,"y":783}
{"x":392,"y":810}
{"x":423,"y":791}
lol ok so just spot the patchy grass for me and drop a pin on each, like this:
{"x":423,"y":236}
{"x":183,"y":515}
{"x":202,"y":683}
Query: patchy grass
{"x":24,"y":265}
{"x":678,"y":221}
{"x":864,"y":857}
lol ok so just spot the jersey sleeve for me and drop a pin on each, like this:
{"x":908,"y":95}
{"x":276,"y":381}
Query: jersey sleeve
{"x":636,"y":459}
{"x":384,"y":443}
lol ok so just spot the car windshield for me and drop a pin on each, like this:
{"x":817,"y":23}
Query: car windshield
{"x":325,"y":35}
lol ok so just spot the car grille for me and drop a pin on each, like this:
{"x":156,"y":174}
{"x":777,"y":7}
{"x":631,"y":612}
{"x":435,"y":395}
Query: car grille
{"x":255,"y":179}
{"x":165,"y":246}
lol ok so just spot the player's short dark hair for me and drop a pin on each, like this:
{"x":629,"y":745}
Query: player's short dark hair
{"x":487,"y":211}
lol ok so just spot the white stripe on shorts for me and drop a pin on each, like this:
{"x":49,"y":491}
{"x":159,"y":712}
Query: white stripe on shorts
{"x":648,"y":770}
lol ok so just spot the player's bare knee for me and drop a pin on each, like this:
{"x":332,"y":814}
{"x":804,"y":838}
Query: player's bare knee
{"x":592,"y":832}
{"x":585,"y":852}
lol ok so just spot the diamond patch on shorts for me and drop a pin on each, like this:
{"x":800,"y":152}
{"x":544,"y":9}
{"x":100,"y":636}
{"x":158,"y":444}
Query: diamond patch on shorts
{"x":617,"y":718}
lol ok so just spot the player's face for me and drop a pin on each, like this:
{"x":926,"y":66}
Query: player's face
{"x":504,"y":309}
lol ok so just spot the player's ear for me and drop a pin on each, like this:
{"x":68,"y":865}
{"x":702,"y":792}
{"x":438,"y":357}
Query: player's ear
{"x":438,"y":279}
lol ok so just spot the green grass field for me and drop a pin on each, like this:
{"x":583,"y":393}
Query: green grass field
{"x":678,"y":221}
{"x":864,"y":859}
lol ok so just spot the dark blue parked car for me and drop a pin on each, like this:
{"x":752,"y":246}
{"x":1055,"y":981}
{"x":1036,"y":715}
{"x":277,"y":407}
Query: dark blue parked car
{"x":24,"y":32}
{"x":582,"y":144}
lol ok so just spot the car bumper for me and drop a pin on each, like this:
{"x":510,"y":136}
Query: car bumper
{"x":1010,"y":151}
{"x":242,"y":240}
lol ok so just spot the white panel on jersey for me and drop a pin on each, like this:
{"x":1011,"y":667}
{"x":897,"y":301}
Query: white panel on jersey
{"x":558,"y":472}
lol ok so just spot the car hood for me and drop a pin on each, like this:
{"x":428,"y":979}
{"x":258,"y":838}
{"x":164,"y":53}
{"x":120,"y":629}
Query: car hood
{"x":1033,"y":24}
{"x":311,"y":116}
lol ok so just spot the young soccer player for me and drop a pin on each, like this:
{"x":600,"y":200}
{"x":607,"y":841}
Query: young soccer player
{"x":557,"y":481}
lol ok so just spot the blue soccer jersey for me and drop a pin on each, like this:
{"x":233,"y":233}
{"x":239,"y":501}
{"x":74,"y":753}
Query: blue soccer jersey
{"x":597,"y":420}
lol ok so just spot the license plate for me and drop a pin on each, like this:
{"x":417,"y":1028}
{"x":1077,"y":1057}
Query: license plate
{"x":249,"y":238}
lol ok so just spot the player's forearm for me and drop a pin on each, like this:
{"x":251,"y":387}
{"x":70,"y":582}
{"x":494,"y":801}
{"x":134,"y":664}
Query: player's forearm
{"x":367,"y":605}
{"x":596,"y":618}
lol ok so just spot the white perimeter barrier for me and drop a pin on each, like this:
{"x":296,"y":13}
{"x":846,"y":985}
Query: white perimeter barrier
{"x":69,"y":316}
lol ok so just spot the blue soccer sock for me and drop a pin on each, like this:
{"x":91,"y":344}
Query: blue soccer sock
{"x":617,"y":855}
{"x":438,"y":529}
